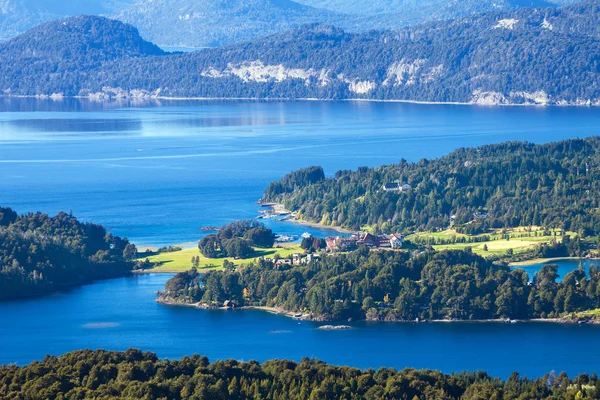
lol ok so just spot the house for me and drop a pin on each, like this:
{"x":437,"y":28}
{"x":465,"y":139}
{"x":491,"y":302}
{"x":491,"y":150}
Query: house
{"x":396,"y":240}
{"x":331,"y":243}
{"x":338,"y":243}
{"x":297,"y":259}
{"x":397,"y":187}
{"x":366,"y":239}
{"x":312,"y":257}
{"x":392,"y":187}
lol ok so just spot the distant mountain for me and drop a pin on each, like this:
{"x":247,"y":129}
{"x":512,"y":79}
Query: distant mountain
{"x":210,"y":23}
{"x":17,"y":16}
{"x":213,"y":23}
{"x":530,"y":56}
{"x":59,"y":55}
{"x":428,"y":10}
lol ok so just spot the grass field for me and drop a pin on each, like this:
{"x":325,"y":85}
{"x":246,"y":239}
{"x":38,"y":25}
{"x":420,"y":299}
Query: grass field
{"x":590,"y":313}
{"x":497,"y":245}
{"x":179,"y":261}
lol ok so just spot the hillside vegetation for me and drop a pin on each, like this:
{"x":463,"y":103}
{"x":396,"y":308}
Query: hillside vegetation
{"x":529,"y":56}
{"x":505,"y":185}
{"x":392,"y":286}
{"x":41,"y":254}
{"x":136,"y":375}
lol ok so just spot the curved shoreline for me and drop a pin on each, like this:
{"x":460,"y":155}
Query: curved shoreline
{"x":279,"y":207}
{"x":310,"y":318}
{"x":548,"y":261}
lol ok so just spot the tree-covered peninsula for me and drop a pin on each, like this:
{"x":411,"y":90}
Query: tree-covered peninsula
{"x":133,"y":374}
{"x":555,"y":185}
{"x":40,"y":254}
{"x":392,"y":286}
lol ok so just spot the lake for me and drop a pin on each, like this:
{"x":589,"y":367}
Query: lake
{"x":121,"y":313}
{"x":158,"y":171}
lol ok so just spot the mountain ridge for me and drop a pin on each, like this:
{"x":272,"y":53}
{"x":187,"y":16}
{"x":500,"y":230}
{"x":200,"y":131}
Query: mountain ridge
{"x":213,"y":23}
{"x":530,"y":56}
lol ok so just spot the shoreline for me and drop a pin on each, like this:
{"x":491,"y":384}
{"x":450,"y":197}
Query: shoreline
{"x":547,"y":261}
{"x":308,"y":317}
{"x":55,"y":97}
{"x":321,"y":226}
{"x":280,"y":208}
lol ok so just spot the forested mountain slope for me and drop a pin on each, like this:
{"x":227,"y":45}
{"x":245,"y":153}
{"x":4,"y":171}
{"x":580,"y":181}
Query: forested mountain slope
{"x":136,"y":375}
{"x":41,"y":254}
{"x":427,"y":10}
{"x":17,"y":16}
{"x":210,"y":23}
{"x":218,"y":22}
{"x":531,"y":56}
{"x":555,"y":185}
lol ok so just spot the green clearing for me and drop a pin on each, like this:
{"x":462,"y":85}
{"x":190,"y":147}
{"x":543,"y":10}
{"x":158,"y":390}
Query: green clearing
{"x":519,"y":242}
{"x":594,"y":314}
{"x":179,"y":261}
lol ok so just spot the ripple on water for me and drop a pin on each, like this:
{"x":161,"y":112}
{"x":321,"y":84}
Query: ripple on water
{"x":100,"y":325}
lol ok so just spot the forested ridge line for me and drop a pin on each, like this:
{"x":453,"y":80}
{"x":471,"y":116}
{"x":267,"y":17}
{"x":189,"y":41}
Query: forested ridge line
{"x":142,"y":375}
{"x":529,"y":56}
{"x":512,"y":184}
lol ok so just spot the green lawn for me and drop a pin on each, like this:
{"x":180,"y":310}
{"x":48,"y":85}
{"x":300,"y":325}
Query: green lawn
{"x":180,"y":261}
{"x":595,"y":314}
{"x":497,"y":245}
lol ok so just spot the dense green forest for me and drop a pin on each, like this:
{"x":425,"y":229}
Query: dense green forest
{"x":555,"y":185}
{"x":534,"y":56}
{"x":41,"y":254}
{"x":136,"y":375}
{"x":393,"y":286}
{"x":237,"y":239}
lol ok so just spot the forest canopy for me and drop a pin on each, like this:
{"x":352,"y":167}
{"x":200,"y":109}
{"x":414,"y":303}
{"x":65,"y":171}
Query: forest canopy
{"x":555,"y":185}
{"x":392,"y":286}
{"x":237,"y":239}
{"x":40,"y":254}
{"x":137,"y":375}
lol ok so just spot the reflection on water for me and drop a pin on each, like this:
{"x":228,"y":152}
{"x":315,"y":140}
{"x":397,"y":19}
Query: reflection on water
{"x":156,"y":171}
{"x":67,"y":127}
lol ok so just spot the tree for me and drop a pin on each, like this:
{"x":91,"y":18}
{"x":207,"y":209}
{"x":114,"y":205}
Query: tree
{"x":260,"y":237}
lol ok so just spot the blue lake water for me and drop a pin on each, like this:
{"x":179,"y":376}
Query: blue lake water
{"x":121,"y":313}
{"x":157,"y":172}
{"x":564,"y":266}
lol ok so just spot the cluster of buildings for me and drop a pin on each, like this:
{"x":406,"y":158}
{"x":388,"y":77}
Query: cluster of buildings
{"x":296,"y":259}
{"x":338,"y":243}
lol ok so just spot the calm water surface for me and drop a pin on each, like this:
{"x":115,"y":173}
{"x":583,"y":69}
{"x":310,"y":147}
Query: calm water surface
{"x":121,"y":313}
{"x":157,"y":172}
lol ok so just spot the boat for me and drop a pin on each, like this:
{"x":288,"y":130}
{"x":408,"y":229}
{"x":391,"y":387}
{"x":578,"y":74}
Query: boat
{"x":306,"y":235}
